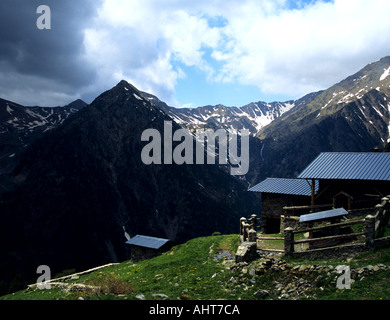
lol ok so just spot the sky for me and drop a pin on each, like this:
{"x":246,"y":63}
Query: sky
{"x":188,"y":53}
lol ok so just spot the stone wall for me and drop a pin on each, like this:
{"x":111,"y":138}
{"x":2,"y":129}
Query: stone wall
{"x":141,"y":253}
{"x":289,"y":222}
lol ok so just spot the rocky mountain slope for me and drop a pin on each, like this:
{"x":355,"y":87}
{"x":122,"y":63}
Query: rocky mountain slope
{"x":20,"y":126}
{"x":352,"y":115}
{"x":23,"y":125}
{"x":84,"y":183}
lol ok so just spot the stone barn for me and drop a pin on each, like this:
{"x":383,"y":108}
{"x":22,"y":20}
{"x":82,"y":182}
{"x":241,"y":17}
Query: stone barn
{"x":277,"y":193}
{"x":145,"y":247}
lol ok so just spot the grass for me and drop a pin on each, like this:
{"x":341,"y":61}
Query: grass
{"x":192,"y":271}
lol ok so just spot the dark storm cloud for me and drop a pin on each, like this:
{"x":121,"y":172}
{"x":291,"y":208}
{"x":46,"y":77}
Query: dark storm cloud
{"x":54,"y":56}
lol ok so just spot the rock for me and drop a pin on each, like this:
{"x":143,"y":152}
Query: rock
{"x":161,"y":296}
{"x":260,"y":271}
{"x":231,"y":280}
{"x":140,"y":297}
{"x":279,"y":286}
{"x":302,"y":268}
{"x":238,"y":265}
{"x":261,"y":294}
{"x":247,"y":252}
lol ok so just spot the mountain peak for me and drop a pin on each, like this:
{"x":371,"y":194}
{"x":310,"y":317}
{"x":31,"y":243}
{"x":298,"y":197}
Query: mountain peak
{"x":77,"y":104}
{"x":123,"y":84}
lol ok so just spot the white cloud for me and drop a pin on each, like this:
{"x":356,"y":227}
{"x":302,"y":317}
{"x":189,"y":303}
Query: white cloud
{"x":263,"y":43}
{"x":293,"y":51}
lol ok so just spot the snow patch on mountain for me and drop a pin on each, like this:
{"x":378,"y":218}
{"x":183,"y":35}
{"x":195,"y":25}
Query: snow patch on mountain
{"x":385,"y":74}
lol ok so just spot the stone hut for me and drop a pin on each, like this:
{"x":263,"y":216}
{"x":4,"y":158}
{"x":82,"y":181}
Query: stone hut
{"x":277,"y":193}
{"x":145,"y":247}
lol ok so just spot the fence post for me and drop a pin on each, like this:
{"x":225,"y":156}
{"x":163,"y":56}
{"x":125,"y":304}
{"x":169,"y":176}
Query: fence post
{"x":253,"y":221}
{"x":242,"y":223}
{"x":252,"y":235}
{"x":288,"y":241}
{"x":370,"y":230}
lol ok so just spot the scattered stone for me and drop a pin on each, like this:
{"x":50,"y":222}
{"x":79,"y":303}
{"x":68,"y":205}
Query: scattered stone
{"x":231,"y":280}
{"x":261,"y":294}
{"x":161,"y":296}
{"x":238,"y":265}
{"x":140,"y":297}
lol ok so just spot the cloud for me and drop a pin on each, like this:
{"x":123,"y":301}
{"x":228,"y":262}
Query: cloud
{"x":298,"y":51}
{"x":283,"y":47}
{"x":43,"y":66}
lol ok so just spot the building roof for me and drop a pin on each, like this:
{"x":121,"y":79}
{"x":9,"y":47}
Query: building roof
{"x":147,"y":242}
{"x":284,"y":186}
{"x":323,"y":215}
{"x":349,"y":166}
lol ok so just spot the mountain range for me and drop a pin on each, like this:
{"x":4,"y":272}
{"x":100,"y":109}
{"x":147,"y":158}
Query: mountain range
{"x":352,"y":115}
{"x":80,"y":189}
{"x":73,"y":183}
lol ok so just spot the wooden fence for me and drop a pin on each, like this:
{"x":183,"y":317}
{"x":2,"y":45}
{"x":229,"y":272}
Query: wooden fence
{"x":374,"y":225}
{"x":373,"y":228}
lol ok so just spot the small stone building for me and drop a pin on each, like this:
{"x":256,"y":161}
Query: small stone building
{"x":277,"y":193}
{"x":145,"y":247}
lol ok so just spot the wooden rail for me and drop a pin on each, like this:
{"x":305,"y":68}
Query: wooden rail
{"x":317,"y":206}
{"x":342,"y":224}
{"x":341,"y":236}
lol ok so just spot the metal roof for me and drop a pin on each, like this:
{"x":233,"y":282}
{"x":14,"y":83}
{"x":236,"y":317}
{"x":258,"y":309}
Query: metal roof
{"x":147,"y":242}
{"x":284,"y":186}
{"x":349,"y":166}
{"x":323,"y":215}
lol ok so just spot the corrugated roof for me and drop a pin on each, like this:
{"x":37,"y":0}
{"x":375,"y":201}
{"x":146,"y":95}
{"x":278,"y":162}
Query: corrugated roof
{"x":323,"y":215}
{"x":349,"y":166}
{"x":284,"y":186}
{"x":147,"y":242}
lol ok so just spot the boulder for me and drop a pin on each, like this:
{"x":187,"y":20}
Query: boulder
{"x":247,"y":252}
